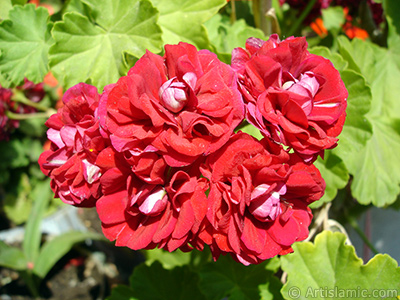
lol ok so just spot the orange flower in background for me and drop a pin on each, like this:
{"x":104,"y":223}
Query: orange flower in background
{"x":318,"y":27}
{"x":352,"y":31}
{"x":51,"y":81}
{"x":355,"y":32}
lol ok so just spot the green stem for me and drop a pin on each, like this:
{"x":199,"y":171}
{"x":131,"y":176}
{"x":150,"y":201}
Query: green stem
{"x":353,"y":223}
{"x":368,"y":23}
{"x":233,"y":11}
{"x":18,"y":96}
{"x":260,"y":10}
{"x":265,"y":23}
{"x":28,"y":278}
{"x":15,"y":116}
{"x":302,"y":17}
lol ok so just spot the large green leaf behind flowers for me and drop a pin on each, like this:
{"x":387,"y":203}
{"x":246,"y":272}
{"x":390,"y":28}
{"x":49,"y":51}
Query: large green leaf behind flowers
{"x":156,"y":283}
{"x":376,"y":168}
{"x":357,"y":130}
{"x":331,"y":266}
{"x":24,"y":43}
{"x":95,"y":52}
{"x":227,"y":278}
{"x":182,"y":20}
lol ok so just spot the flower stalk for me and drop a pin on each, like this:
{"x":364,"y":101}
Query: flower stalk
{"x":15,"y":116}
{"x":301,"y":18}
{"x":19,"y":97}
{"x":260,"y":11}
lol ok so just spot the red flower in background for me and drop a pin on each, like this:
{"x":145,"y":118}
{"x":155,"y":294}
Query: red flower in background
{"x":295,"y":98}
{"x":185,"y":105}
{"x":6,"y":125}
{"x":34,"y":92}
{"x":76,"y":142}
{"x":258,"y":199}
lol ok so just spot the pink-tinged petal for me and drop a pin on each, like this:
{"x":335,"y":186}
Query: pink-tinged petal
{"x":57,"y":158}
{"x":154,"y":203}
{"x":55,"y":136}
{"x":265,"y":203}
{"x":68,"y":135}
{"x":91,"y":172}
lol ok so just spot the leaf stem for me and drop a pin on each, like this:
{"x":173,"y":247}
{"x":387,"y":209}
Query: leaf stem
{"x":260,"y":10}
{"x":233,"y":11}
{"x":28,"y":278}
{"x":18,"y":96}
{"x":368,"y":23}
{"x":15,"y":116}
{"x":353,"y":223}
{"x":265,"y":24}
{"x":301,"y":18}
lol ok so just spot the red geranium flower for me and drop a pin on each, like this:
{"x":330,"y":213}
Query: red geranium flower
{"x":145,"y":206}
{"x":76,"y":142}
{"x":258,"y":199}
{"x":6,"y":125}
{"x":295,"y":98}
{"x":185,"y":104}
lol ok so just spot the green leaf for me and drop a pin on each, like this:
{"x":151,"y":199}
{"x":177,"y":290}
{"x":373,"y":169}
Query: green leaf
{"x":251,"y":130}
{"x":19,"y":2}
{"x":156,"y":283}
{"x":169,"y":260}
{"x":41,"y":198}
{"x":357,"y":130}
{"x":53,"y":250}
{"x":333,"y":18}
{"x":76,"y":6}
{"x":335,"y":174}
{"x":182,"y":20}
{"x":226,"y":36}
{"x":227,"y":278}
{"x":13,"y":154}
{"x":5,"y":7}
{"x":12,"y":257}
{"x":330,"y":266}
{"x":24,"y":43}
{"x":381,"y":68}
{"x":17,"y":204}
{"x":376,"y":168}
{"x":84,"y":51}
{"x":121,"y":292}
{"x":337,"y":60}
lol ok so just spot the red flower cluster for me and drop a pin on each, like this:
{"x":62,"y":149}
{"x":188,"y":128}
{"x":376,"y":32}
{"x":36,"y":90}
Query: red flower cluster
{"x":157,"y":154}
{"x":295,"y":98}
{"x":34,"y":92}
